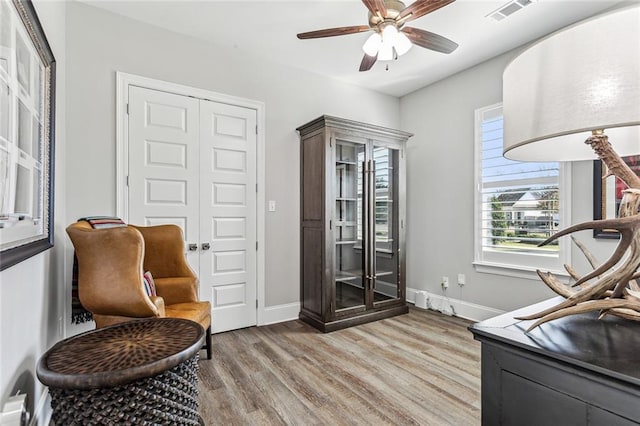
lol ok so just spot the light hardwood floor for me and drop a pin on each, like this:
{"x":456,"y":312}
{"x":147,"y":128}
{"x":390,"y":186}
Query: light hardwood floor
{"x":420,"y":368}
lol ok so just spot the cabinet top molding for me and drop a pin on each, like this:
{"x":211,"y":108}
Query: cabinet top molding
{"x":343,"y":123}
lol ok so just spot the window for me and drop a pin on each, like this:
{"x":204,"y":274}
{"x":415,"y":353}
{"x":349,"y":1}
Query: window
{"x":518,"y":204}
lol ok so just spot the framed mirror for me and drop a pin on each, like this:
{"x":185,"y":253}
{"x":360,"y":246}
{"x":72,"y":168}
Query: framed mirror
{"x":27,"y":111}
{"x":607,"y":194}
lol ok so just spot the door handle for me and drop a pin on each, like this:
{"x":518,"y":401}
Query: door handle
{"x":193,"y":247}
{"x":206,"y":246}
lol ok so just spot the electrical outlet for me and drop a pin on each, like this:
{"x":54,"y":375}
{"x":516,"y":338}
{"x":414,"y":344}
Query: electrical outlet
{"x":445,"y":282}
{"x":462,"y":280}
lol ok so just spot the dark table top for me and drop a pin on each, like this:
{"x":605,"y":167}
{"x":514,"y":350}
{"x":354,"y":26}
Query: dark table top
{"x":121,"y":353}
{"x":609,"y":346}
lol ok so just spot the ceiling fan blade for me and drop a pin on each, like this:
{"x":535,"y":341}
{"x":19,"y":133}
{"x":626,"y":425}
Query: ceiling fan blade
{"x":367,"y":62}
{"x":420,"y":8}
{"x":430,"y":40}
{"x":331,"y":32}
{"x":375,"y":6}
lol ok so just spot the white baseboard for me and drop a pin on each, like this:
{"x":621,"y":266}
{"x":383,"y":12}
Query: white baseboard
{"x":461,"y":308}
{"x":280,"y":313}
{"x":42,"y":411}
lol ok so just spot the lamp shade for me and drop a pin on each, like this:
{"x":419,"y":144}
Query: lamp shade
{"x":583,"y":78}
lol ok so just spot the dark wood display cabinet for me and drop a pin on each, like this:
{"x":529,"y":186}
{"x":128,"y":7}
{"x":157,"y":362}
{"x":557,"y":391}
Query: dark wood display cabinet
{"x":352,"y":222}
{"x":576,"y":370}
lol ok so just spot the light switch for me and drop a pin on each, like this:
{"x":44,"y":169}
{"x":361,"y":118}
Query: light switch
{"x":272,"y":205}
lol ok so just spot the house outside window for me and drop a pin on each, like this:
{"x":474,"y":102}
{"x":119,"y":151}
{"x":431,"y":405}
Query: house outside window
{"x":517,"y":205}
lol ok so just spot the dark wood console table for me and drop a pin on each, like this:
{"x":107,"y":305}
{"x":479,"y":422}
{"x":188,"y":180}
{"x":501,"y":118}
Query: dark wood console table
{"x":572,"y":371}
{"x":137,"y":372}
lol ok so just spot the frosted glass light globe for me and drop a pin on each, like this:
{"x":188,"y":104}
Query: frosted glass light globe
{"x":372,"y":45}
{"x":386,"y":51}
{"x":403,"y":44}
{"x":390,"y":35}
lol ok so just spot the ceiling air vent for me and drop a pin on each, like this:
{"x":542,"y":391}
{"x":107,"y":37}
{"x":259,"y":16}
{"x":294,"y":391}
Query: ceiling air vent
{"x":508,"y":9}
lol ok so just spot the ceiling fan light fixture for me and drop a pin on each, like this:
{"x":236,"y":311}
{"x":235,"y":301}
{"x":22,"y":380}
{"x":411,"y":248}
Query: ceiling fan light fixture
{"x":391,"y":38}
{"x":372,"y":45}
{"x":403,"y":44}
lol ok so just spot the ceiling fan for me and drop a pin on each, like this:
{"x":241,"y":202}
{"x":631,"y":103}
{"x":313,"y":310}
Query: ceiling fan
{"x":391,"y":38}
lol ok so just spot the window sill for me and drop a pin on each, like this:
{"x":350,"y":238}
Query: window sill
{"x":514,"y":271}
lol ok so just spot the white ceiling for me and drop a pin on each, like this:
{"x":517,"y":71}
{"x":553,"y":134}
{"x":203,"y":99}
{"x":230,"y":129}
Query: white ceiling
{"x":268,"y":29}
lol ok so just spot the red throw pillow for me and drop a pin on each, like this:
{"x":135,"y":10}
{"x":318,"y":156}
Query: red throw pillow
{"x":149,"y":284}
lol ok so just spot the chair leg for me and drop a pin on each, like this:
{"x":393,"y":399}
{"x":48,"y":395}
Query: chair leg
{"x":208,"y":340}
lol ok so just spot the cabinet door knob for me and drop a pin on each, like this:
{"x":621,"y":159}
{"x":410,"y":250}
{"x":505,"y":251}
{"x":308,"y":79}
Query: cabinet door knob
{"x":206,"y":246}
{"x":193,"y":247}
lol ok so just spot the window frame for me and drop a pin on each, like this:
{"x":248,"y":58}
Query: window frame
{"x":520,"y":265}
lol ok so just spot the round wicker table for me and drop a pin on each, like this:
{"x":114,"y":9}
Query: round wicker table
{"x":138,"y":372}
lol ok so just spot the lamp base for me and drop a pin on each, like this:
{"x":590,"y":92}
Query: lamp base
{"x":615,"y":290}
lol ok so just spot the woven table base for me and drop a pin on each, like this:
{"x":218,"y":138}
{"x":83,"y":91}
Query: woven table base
{"x":169,"y":398}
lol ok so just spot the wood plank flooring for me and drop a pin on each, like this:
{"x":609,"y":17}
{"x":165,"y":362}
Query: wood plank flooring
{"x":422,"y":368}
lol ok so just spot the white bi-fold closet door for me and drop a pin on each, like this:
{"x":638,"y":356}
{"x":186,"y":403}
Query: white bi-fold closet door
{"x":192,"y":162}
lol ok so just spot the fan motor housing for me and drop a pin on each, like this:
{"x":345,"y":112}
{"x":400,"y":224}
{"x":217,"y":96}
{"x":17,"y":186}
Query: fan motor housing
{"x":394,"y":7}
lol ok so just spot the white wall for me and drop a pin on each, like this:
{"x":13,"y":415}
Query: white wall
{"x":440,"y":192}
{"x":31,"y":293}
{"x":101,"y":43}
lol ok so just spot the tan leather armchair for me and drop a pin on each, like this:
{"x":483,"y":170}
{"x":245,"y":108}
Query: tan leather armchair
{"x":111,"y":263}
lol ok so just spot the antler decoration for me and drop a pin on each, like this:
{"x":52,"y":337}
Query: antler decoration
{"x":614,"y":289}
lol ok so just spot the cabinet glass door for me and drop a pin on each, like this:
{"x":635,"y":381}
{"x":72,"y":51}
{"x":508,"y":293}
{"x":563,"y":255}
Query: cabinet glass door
{"x":386,"y":203}
{"x":349,"y":193}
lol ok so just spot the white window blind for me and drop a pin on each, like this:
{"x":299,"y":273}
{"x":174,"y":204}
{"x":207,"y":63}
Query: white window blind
{"x":518,"y":204}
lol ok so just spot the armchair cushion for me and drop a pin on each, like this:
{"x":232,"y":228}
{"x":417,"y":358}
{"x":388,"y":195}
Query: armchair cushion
{"x":199,"y":312}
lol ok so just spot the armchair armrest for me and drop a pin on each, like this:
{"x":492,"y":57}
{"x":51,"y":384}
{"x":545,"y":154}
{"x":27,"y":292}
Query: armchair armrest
{"x":177,"y":289}
{"x":158,"y":302}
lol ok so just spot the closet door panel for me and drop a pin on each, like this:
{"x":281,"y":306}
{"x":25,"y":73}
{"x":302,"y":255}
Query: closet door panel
{"x":164,"y":144}
{"x":228,"y":211}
